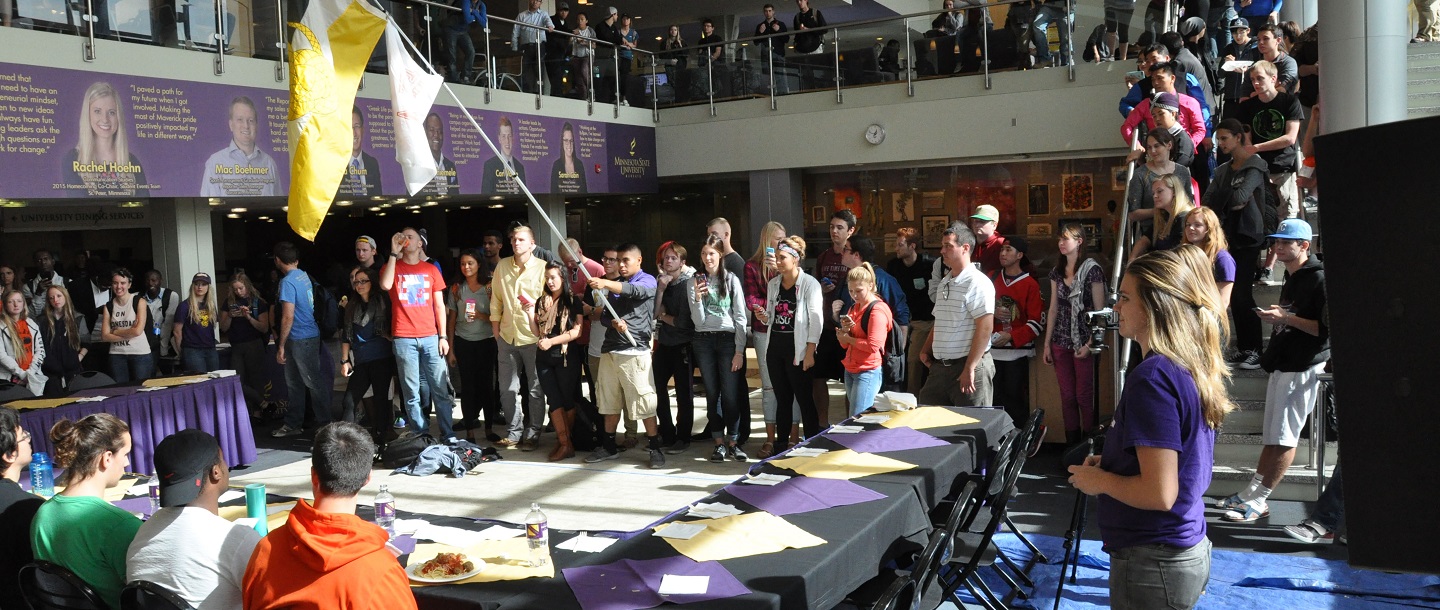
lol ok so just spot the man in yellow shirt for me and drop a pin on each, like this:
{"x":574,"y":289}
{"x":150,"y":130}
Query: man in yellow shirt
{"x":516,"y":286}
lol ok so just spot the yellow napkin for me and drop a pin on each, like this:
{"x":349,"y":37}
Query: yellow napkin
{"x":844,"y":464}
{"x":927,"y":417}
{"x":742,"y":536}
{"x":167,"y":382}
{"x":504,"y":560}
{"x":40,"y":403}
{"x":276,"y":519}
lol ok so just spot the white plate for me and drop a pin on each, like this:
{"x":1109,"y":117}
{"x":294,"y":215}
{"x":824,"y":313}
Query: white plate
{"x":413,"y":568}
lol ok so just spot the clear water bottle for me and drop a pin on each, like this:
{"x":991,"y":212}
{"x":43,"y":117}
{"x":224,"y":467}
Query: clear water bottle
{"x":42,"y":475}
{"x":537,"y":533}
{"x":154,"y":489}
{"x":385,"y":509}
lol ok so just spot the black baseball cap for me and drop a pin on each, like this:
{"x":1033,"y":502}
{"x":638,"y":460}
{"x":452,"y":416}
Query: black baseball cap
{"x":181,"y":461}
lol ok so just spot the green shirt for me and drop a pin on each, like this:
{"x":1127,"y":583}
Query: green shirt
{"x":88,"y":536}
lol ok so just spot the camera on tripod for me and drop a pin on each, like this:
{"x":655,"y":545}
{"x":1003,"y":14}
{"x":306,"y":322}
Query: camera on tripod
{"x":1100,"y":323}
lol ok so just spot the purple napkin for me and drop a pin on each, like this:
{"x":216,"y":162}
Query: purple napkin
{"x":404,"y":542}
{"x":134,"y":505}
{"x":886,"y":439}
{"x":802,"y":495}
{"x":631,"y":583}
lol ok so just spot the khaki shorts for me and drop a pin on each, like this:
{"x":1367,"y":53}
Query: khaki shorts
{"x":1289,"y":400}
{"x":626,"y":385}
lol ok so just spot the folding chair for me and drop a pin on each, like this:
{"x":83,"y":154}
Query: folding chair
{"x":146,"y":595}
{"x":88,"y":380}
{"x":975,"y":550}
{"x":48,"y":586}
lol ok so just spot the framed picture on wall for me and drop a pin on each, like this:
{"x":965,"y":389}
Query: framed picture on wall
{"x":817,"y":214}
{"x":1039,"y":229}
{"x":933,"y":201}
{"x":890,"y":239}
{"x":932,"y":229}
{"x":1117,"y":178}
{"x":1078,"y":194}
{"x":1039,"y":200}
{"x":902,"y":208}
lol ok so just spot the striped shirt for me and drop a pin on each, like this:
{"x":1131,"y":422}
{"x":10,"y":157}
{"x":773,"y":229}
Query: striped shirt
{"x":959,"y":301}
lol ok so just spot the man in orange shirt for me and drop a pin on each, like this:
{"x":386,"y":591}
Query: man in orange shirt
{"x":325,"y":556}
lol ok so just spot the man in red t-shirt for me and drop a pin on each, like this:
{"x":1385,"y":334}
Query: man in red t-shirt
{"x":831,"y":271}
{"x":417,"y":315}
{"x":987,"y":242}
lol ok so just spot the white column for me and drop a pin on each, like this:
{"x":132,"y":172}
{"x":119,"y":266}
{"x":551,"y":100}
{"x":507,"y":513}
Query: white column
{"x":1303,"y":12}
{"x":1362,"y":57}
{"x":183,"y":239}
{"x":554,"y":207}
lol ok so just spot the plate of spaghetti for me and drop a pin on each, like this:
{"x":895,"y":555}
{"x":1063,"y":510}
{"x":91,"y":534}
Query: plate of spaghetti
{"x":445,"y":567}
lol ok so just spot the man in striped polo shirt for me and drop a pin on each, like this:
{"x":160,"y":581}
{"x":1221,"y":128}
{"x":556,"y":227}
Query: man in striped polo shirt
{"x":958,"y":348}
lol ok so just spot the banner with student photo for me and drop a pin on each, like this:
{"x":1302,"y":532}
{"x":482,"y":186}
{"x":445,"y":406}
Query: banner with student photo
{"x":72,"y":134}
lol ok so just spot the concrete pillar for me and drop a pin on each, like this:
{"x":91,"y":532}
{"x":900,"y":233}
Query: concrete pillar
{"x":552,"y":206}
{"x":776,"y":195}
{"x":1303,"y":12}
{"x":1363,"y":51}
{"x":183,"y":240}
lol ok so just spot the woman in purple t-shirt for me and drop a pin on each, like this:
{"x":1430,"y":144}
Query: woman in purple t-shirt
{"x":1159,"y":451}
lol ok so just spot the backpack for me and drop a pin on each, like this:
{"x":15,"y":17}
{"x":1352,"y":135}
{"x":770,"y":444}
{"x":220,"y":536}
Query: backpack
{"x":1269,"y":200}
{"x":327,"y":310}
{"x":892,"y":357}
{"x":403,"y":450}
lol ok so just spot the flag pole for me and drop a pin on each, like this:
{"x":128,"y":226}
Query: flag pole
{"x":510,"y":171}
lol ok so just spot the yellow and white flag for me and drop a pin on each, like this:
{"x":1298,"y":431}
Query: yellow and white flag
{"x":412,"y":92}
{"x":333,"y":42}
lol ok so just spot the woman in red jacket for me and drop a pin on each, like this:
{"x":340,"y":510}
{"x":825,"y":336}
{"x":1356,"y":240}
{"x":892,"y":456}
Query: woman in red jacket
{"x":862,"y":333}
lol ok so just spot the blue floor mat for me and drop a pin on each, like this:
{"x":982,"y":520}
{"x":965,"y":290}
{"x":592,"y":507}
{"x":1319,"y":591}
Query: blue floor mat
{"x":1237,"y":580}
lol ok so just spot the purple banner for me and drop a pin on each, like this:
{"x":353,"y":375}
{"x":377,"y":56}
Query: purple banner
{"x":75,"y":134}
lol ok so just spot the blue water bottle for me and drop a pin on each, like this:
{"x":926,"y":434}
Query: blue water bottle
{"x":42,"y":475}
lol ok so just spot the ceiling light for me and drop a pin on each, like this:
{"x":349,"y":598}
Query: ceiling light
{"x":11,"y":203}
{"x":431,"y":203}
{"x":132,"y":204}
{"x":284,"y":208}
{"x":264,"y":218}
{"x":375,"y":208}
{"x":232,"y":215}
{"x":345,"y":204}
{"x":416,"y":207}
{"x":497,"y":206}
{"x":401,"y":200}
{"x":215,"y":201}
{"x":464,"y":207}
{"x":239,"y":210}
{"x":496,"y":198}
{"x":378,"y":197}
{"x":380,"y":214}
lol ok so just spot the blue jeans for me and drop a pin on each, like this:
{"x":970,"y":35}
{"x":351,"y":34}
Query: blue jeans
{"x":462,"y":52}
{"x":418,"y":360}
{"x":1330,"y":509}
{"x":714,"y":351}
{"x":125,"y":368}
{"x":199,"y":359}
{"x":861,"y":388}
{"x":1043,"y":18}
{"x":302,"y":376}
{"x":1158,"y":576}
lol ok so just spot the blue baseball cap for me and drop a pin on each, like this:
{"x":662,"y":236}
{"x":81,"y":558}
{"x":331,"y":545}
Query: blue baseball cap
{"x":1293,"y":228}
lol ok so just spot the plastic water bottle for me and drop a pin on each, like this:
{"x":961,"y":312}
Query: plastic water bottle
{"x":537,"y":533}
{"x":385,"y":509}
{"x":42,"y":475}
{"x":154,"y":489}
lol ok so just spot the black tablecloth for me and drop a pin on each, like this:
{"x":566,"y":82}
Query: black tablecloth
{"x":859,"y":537}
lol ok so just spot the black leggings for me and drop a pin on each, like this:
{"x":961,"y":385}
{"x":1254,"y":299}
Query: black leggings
{"x":792,"y":385}
{"x":373,"y":375}
{"x":1242,"y":300}
{"x":558,"y":379}
{"x":476,"y":361}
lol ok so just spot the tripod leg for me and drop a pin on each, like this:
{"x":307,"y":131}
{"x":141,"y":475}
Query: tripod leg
{"x":1072,"y":545}
{"x":1084,"y":503}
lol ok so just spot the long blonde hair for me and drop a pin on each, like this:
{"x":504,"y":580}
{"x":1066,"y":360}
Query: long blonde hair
{"x":86,"y":146}
{"x":1165,"y":219}
{"x":1214,"y":235}
{"x":66,"y":315}
{"x":1185,"y":320}
{"x":765,"y":232}
{"x":209,"y":304}
{"x":17,"y":347}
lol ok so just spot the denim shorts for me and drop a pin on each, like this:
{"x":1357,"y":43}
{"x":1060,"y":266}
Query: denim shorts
{"x":1154,"y":576}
